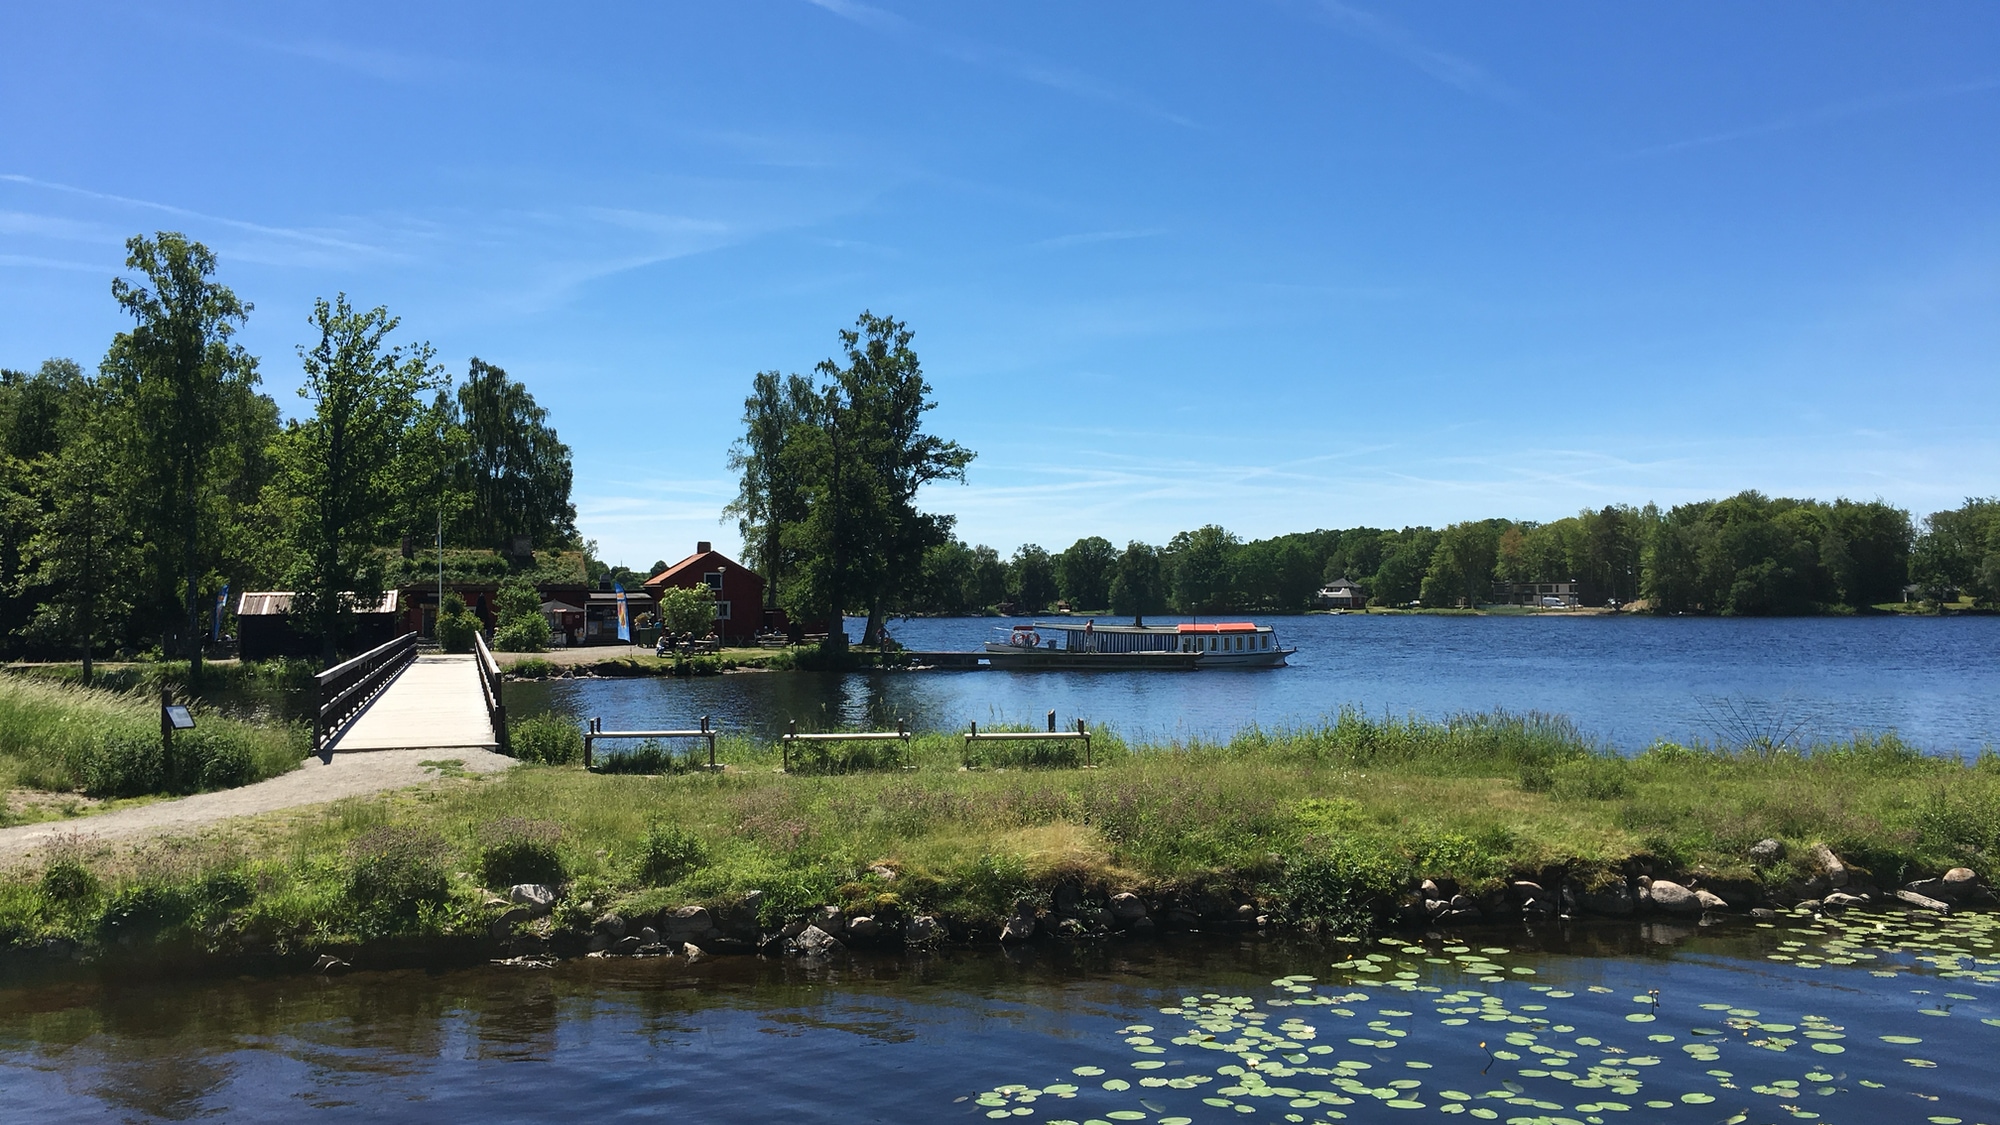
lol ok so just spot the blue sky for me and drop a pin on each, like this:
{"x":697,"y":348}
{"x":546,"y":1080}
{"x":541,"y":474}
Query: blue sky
{"x":1277,"y":264}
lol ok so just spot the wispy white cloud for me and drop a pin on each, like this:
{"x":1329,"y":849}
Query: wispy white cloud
{"x":1392,"y":38}
{"x":323,"y":239}
{"x":374,"y":62}
{"x":1016,"y":64}
{"x":1821,"y":115}
{"x":1089,"y":237}
{"x":34,"y":262}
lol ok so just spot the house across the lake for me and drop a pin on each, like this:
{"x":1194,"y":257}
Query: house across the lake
{"x":738,"y":590}
{"x":1341,"y":594}
{"x":1549,"y":595}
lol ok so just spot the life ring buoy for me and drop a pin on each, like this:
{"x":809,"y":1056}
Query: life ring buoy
{"x":1024,"y":638}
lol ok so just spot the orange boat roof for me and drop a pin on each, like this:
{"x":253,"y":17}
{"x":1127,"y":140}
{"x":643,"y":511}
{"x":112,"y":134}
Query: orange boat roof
{"x":1221,"y":627}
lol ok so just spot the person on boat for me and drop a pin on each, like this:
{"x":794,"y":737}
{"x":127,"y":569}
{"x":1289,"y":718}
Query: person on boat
{"x":1090,"y":634}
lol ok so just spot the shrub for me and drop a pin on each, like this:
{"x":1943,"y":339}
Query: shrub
{"x":518,"y":850}
{"x":688,"y":609}
{"x":549,"y":739}
{"x":457,"y":625}
{"x":671,"y":853}
{"x":1537,"y":777}
{"x":520,"y":626}
{"x":1596,"y":778}
{"x":145,"y":910}
{"x":68,"y":886}
{"x":393,"y":874}
{"x":1341,"y":888}
{"x":131,"y":763}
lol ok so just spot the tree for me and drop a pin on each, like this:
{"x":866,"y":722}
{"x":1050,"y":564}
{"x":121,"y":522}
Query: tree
{"x":859,"y":455}
{"x":1960,"y":550}
{"x":1406,"y":556}
{"x":345,"y":466}
{"x":1202,"y":566}
{"x":1137,"y":587}
{"x":457,"y":624}
{"x":80,"y":555}
{"x":1083,"y":572}
{"x":1462,"y":564}
{"x":179,"y":378}
{"x":517,"y":470}
{"x":688,"y":609}
{"x":518,"y":624}
{"x":1031,"y":578}
{"x":770,"y":497}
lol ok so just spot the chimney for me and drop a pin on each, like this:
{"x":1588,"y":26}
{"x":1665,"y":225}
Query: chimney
{"x":702,"y":547}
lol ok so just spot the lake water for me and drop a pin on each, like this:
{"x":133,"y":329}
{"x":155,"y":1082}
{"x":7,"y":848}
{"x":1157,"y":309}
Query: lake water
{"x":1886,"y":1018}
{"x":1625,"y":680}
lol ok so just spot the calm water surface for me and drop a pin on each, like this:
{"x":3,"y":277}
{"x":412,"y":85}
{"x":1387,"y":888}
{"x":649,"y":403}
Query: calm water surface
{"x":1616,"y":1023}
{"x":1624,"y":680}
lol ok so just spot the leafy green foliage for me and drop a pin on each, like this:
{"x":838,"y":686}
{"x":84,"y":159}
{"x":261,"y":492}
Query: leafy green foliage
{"x":520,"y":626}
{"x":548,"y":739}
{"x":395,"y":875}
{"x":671,"y":852}
{"x":346,"y":468}
{"x":457,"y":625}
{"x":687,"y":610}
{"x":518,"y":850}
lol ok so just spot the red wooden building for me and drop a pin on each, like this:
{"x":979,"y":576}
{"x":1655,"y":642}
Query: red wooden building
{"x":739,"y":591}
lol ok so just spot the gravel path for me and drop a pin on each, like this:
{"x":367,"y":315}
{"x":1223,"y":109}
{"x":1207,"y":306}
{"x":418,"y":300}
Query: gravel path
{"x":350,"y":775}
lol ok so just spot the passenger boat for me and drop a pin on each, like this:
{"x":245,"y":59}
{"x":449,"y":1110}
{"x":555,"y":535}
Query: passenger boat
{"x":1065,"y":644}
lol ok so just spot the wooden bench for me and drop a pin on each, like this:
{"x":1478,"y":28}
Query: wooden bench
{"x":595,"y":730}
{"x":1080,"y":734}
{"x":792,"y":736}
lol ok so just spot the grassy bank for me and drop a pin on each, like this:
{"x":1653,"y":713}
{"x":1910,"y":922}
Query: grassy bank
{"x":60,"y":738}
{"x":1332,"y":825}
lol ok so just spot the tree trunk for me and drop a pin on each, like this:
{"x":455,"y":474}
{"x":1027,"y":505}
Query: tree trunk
{"x":872,"y":635}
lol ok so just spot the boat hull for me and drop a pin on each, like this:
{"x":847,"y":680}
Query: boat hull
{"x":1011,"y":658}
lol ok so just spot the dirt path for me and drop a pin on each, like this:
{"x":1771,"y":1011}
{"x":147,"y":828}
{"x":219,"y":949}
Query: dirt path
{"x":350,"y":775}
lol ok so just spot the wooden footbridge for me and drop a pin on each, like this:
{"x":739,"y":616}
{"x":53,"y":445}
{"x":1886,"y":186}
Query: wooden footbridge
{"x":393,"y":698}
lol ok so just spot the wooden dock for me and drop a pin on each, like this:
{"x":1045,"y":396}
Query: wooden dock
{"x":437,"y":702}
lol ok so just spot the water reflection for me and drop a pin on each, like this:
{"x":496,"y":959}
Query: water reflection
{"x":909,"y":1038}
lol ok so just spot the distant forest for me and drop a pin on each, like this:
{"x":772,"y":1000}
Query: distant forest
{"x":1748,"y":555}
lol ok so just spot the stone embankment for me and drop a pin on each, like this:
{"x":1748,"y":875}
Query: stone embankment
{"x":532,"y":926}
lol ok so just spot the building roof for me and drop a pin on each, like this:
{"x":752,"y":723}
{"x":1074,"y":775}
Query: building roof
{"x":696,"y":565}
{"x":272,"y":603}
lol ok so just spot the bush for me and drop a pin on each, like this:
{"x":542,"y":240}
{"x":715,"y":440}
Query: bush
{"x":548,"y":739}
{"x":68,"y":886}
{"x":132,"y":763}
{"x":1595,"y":778}
{"x":671,"y":853}
{"x":1341,"y":888}
{"x":145,"y":910}
{"x":457,"y":625}
{"x":688,"y":609}
{"x":517,"y":850}
{"x":520,"y":626}
{"x":394,"y":873}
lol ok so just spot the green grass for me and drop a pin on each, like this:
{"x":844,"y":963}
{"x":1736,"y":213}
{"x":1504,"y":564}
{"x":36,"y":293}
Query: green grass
{"x":1328,"y":823}
{"x":63,"y":738}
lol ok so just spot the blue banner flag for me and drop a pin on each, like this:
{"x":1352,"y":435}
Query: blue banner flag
{"x":624,"y":623}
{"x":221,"y":607}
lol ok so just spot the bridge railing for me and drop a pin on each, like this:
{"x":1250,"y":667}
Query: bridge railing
{"x":344,"y":689}
{"x":489,"y":686}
